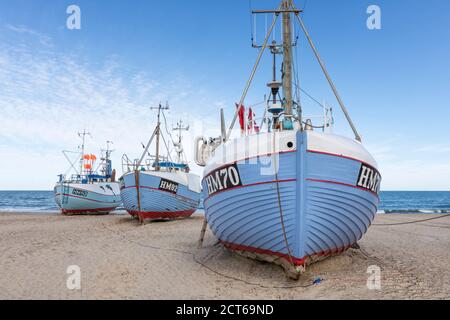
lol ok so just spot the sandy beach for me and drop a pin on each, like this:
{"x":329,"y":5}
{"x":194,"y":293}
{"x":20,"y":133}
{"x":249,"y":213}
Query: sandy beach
{"x":120,"y":259}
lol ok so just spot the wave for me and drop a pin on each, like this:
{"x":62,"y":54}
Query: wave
{"x":29,"y":209}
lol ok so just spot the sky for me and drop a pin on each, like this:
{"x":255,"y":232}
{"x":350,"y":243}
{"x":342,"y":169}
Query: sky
{"x":131,"y":55}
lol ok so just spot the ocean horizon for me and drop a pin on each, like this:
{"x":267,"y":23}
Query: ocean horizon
{"x":391,"y":201}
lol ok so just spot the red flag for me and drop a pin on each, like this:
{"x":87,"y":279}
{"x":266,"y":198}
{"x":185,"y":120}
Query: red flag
{"x":250,"y":120}
{"x":252,"y":125}
{"x":241,"y":114}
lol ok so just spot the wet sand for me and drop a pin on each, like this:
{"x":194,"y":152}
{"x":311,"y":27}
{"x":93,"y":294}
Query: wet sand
{"x":120,"y":259}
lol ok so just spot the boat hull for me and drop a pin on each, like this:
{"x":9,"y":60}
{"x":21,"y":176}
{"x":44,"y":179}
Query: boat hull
{"x":300,"y":203}
{"x":159,"y":195}
{"x":87,"y":199}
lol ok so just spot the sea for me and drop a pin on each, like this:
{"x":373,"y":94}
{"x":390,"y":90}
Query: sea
{"x":391,"y":202}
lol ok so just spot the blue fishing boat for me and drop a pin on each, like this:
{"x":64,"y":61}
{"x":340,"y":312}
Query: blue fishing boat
{"x":156,"y":187}
{"x":88,"y":191}
{"x":290,"y":192}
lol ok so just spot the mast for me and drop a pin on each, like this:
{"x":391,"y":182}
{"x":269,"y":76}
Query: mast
{"x":285,"y":10}
{"x":287,"y":59}
{"x":107,"y":166}
{"x":108,"y":151}
{"x":158,"y":134}
{"x":180,"y":128}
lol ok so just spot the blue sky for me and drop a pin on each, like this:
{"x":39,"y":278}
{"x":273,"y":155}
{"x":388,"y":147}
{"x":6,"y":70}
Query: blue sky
{"x":130,"y":55}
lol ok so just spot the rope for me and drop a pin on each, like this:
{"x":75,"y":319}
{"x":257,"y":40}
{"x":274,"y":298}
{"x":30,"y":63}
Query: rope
{"x":279,"y":204}
{"x":202,"y":264}
{"x":375,"y":259}
{"x":411,"y":222}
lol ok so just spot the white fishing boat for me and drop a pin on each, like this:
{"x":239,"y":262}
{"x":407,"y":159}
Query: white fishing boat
{"x":289,"y":193}
{"x":88,"y":191}
{"x":157,"y":187}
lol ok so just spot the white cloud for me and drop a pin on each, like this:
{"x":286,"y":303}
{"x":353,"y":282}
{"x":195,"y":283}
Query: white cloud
{"x":416,"y":176}
{"x":412,"y":168}
{"x":44,"y":40}
{"x":442,"y":148}
{"x":47,"y":97}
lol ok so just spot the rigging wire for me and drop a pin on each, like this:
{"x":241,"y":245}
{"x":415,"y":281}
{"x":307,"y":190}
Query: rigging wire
{"x":72,"y":162}
{"x":167,"y":148}
{"x":165,"y":123}
{"x":169,"y":134}
{"x":297,"y":84}
{"x":304,"y":5}
{"x":311,"y":97}
{"x":265,"y":24}
{"x":297,"y":75}
{"x":257,"y":104}
{"x":251,"y":21}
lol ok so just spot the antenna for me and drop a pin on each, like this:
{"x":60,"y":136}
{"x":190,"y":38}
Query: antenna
{"x":108,"y":143}
{"x":108,"y":151}
{"x":106,"y":163}
{"x":180,"y":127}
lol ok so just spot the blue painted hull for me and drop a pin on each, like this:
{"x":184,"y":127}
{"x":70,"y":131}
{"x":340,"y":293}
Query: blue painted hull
{"x":310,"y":209}
{"x":86,"y":199}
{"x":148,"y":201}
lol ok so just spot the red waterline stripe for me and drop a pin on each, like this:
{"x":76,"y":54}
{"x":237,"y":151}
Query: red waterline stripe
{"x":239,"y":247}
{"x":64,"y":211}
{"x":250,"y":185}
{"x":72,"y":196}
{"x":296,"y":261}
{"x":161,"y":215}
{"x":343,"y":184}
{"x":156,"y":189}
